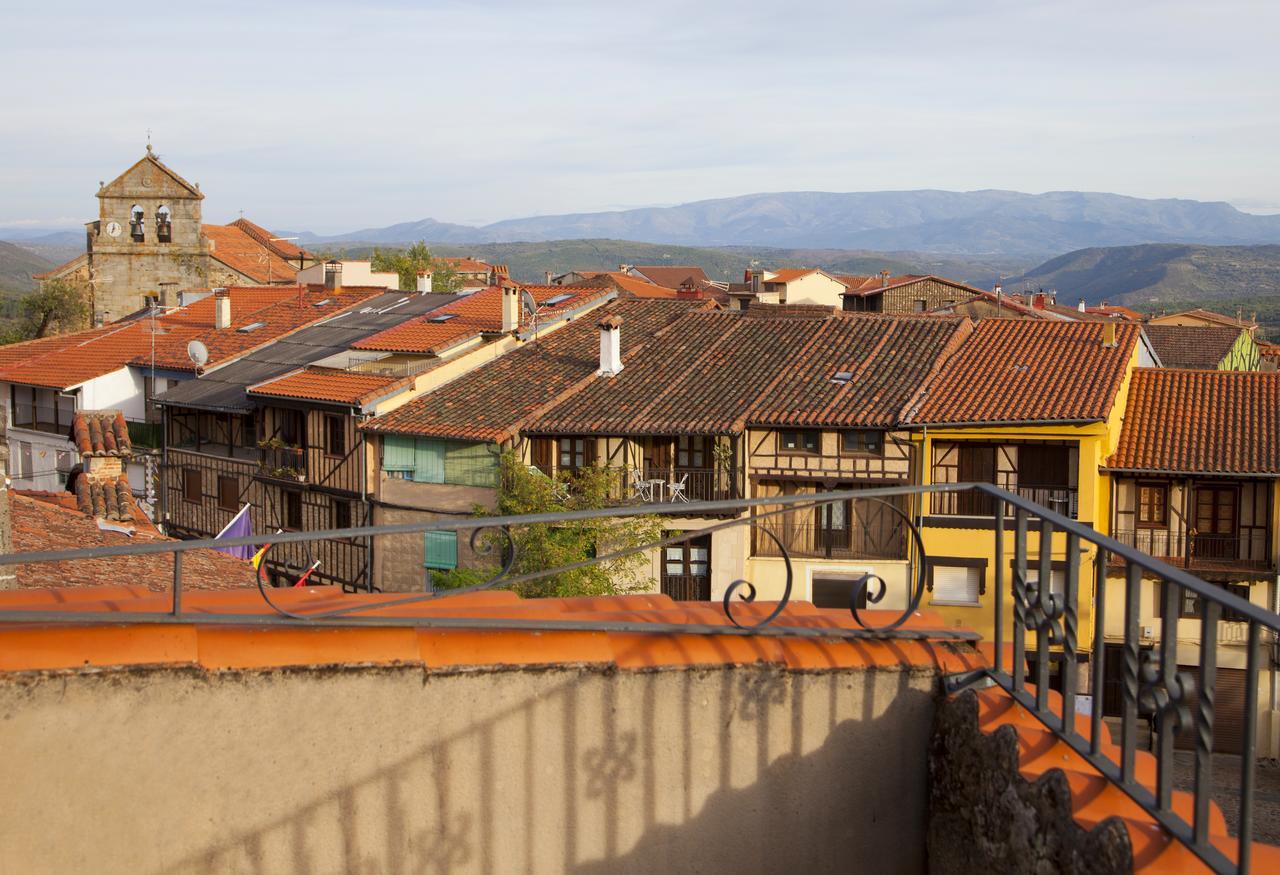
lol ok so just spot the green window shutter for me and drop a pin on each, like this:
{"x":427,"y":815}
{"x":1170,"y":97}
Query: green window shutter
{"x":428,"y":461}
{"x":397,"y":453}
{"x":440,"y":550}
{"x":469,"y":464}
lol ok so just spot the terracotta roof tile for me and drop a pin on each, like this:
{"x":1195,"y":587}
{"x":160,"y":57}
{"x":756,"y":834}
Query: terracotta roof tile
{"x":489,"y":403}
{"x":329,"y":384}
{"x":1192,"y":346}
{"x":49,"y":525}
{"x":1205,"y":316}
{"x":70,"y":359}
{"x":1202,"y":422}
{"x":101,"y":433}
{"x":718,"y":372}
{"x":789,"y":274}
{"x":239,"y":248}
{"x":473,"y":315}
{"x":1022,"y":370}
{"x":284,"y":248}
{"x":672,"y":276}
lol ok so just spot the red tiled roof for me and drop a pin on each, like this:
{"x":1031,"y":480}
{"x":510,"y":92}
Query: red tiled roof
{"x":48,"y":525}
{"x":465,"y":265}
{"x":718,"y":372}
{"x":1204,"y":315}
{"x":671,"y":276}
{"x":284,"y":248}
{"x":1016,"y":370}
{"x":101,"y":433}
{"x":67,"y":266}
{"x":1201,"y":422}
{"x":630,"y":284}
{"x":868,"y":285}
{"x":241,"y":251}
{"x":474,"y":315}
{"x":328,"y":384}
{"x":1192,"y":346}
{"x":68,"y":360}
{"x":491,"y":402}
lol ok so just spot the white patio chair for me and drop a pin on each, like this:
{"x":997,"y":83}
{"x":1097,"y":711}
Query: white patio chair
{"x":675,"y":489}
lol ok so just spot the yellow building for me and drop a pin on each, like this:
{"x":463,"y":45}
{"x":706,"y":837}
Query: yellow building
{"x":1034,"y":408}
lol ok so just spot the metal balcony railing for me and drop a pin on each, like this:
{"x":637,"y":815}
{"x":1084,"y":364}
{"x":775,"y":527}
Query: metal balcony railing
{"x":673,"y":486}
{"x":1060,"y":499}
{"x":1202,"y":552}
{"x":1152,"y":682}
{"x":855,"y":541}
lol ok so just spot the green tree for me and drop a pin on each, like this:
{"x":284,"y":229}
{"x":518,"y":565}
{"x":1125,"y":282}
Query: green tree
{"x":408,"y":263}
{"x":57,"y":306}
{"x":552,"y":545}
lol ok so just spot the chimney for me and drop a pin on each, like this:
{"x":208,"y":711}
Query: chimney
{"x":610,"y":346}
{"x":755,"y":282}
{"x":1080,"y":306}
{"x":8,"y":579}
{"x":1109,"y":334}
{"x":221,"y":308}
{"x":1037,"y":301}
{"x":493,"y":276}
{"x":333,"y":274}
{"x":424,"y":282}
{"x":997,"y":289}
{"x":510,"y":309}
{"x":884,"y":278}
{"x":547,"y":274}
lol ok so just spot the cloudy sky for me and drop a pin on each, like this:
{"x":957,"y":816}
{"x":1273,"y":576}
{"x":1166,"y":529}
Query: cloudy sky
{"x":331,"y":116}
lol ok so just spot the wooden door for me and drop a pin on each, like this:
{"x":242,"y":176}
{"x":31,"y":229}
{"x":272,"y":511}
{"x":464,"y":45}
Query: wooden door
{"x":1228,"y":710}
{"x":977,"y":465}
{"x":1216,"y":522}
{"x":686,"y":570}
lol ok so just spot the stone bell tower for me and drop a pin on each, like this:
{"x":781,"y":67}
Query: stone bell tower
{"x":146,"y":241}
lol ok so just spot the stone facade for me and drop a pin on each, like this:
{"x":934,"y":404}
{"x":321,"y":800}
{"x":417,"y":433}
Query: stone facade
{"x":130,"y":254}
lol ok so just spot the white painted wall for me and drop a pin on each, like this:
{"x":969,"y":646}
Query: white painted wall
{"x":119,"y":390}
{"x":354,"y":273}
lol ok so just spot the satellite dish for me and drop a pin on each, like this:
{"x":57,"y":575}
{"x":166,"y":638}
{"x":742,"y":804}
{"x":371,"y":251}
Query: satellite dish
{"x":198,"y":353}
{"x":529,"y":304}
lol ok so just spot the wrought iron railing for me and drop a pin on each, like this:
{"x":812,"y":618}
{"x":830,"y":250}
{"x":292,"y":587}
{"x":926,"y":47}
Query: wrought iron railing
{"x":1060,"y":499}
{"x":1152,"y":684}
{"x":1244,"y":551}
{"x":778,"y":536}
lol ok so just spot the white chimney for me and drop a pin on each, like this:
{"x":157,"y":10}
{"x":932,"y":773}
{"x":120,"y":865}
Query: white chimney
{"x":333,"y":274}
{"x":510,"y":308}
{"x":221,"y":308}
{"x":610,"y":346}
{"x":1080,"y":306}
{"x":424,"y":282}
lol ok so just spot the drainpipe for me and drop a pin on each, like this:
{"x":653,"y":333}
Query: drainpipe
{"x":163,"y":510}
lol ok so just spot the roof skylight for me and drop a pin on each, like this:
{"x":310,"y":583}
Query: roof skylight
{"x":252,"y":326}
{"x":557,"y":299}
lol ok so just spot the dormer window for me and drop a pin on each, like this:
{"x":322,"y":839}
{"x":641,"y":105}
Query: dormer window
{"x":137,"y":226}
{"x":164,"y":230}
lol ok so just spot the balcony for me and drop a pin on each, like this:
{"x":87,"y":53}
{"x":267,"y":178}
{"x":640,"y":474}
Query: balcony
{"x":879,"y":534}
{"x":677,"y":486}
{"x":1060,"y":499}
{"x":284,"y":463}
{"x":1238,"y":552}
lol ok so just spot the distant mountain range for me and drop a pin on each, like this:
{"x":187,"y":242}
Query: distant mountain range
{"x":17,"y":264}
{"x":976,"y":223}
{"x":1155,"y":275}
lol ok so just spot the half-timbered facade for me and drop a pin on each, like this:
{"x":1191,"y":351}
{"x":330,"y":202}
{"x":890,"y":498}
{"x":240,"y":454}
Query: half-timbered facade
{"x":1194,"y":482}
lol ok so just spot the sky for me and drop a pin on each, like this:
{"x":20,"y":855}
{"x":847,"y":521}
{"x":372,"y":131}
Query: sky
{"x":330,"y":117}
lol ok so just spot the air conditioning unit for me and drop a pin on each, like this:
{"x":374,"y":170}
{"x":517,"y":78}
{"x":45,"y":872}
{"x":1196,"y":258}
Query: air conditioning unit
{"x":1148,"y":631}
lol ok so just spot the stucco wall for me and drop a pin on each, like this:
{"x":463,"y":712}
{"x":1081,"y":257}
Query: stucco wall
{"x":746,"y":769}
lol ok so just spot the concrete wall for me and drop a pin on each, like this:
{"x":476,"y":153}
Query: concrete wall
{"x":747,"y":769}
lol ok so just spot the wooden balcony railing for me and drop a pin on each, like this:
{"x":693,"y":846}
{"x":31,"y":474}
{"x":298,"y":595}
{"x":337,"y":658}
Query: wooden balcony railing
{"x":1203,"y":552}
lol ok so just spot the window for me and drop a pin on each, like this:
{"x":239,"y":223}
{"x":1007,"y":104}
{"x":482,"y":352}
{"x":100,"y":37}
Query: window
{"x":339,"y":514}
{"x":42,"y":409}
{"x":430,"y":460}
{"x":64,"y":461}
{"x":1153,"y":505}
{"x":832,"y":522}
{"x":228,"y":493}
{"x":574,"y":453}
{"x":1057,"y":576}
{"x":440,"y":550}
{"x":293,"y":427}
{"x":691,"y":452}
{"x":21,"y":460}
{"x":977,"y":465}
{"x":293,"y":510}
{"x":1044,"y":466}
{"x":335,"y":435}
{"x":23,"y":406}
{"x":862,"y":443}
{"x":805,"y":441}
{"x":837,"y":591}
{"x":1191,"y":606}
{"x":920,"y":305}
{"x":957,"y":581}
{"x":192,"y":485}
